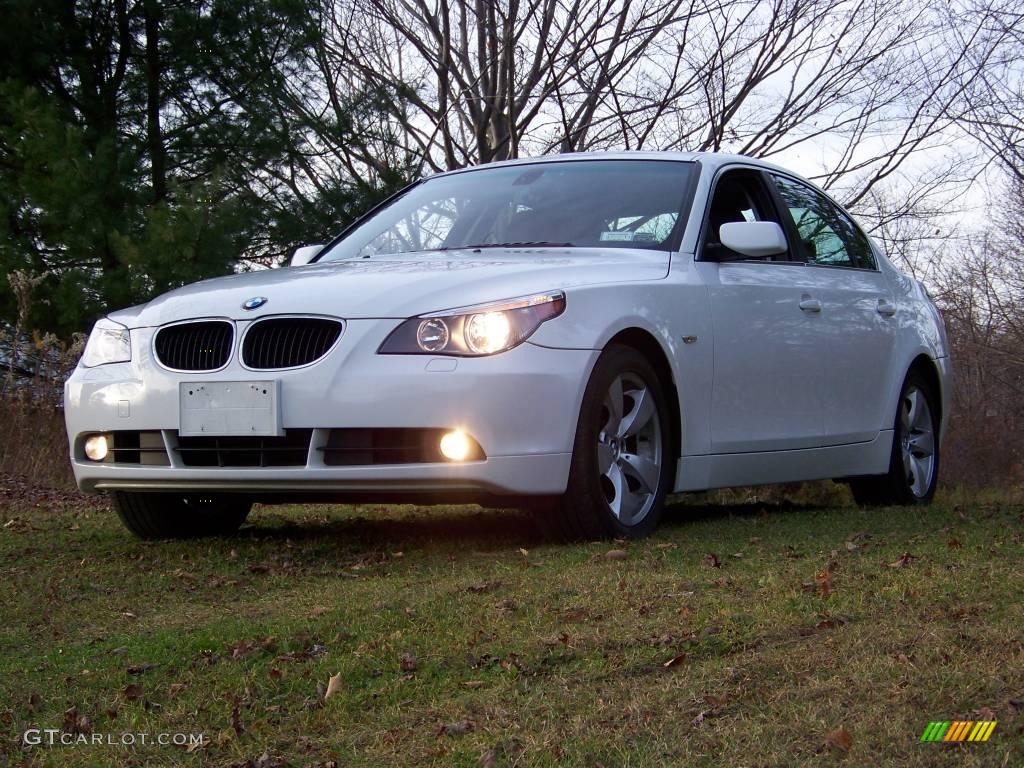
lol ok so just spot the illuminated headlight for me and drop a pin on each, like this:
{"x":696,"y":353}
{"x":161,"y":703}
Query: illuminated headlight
{"x":474,"y":331}
{"x":109,"y":342}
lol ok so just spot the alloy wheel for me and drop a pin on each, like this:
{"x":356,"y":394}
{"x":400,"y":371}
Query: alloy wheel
{"x":917,"y":441}
{"x":629,"y":449}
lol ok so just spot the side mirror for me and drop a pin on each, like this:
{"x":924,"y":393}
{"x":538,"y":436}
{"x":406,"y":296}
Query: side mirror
{"x":305,"y":254}
{"x":753,"y":239}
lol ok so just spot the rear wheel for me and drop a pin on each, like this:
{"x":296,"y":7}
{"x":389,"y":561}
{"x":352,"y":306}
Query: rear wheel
{"x":914,"y":463}
{"x":180,"y":516}
{"x":621,"y":462}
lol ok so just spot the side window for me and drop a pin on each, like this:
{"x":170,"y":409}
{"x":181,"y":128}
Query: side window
{"x":827,"y":235}
{"x":739,"y":196}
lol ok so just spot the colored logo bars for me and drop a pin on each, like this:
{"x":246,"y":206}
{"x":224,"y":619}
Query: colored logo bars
{"x":958,"y":730}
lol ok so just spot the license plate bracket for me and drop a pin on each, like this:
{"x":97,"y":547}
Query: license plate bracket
{"x":229,"y":408}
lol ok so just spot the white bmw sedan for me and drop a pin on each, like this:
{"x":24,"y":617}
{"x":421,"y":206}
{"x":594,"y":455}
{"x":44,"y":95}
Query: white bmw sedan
{"x":583,"y":334}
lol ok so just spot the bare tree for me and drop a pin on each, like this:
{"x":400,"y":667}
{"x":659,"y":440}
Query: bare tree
{"x":877,"y":83}
{"x":994,"y":105}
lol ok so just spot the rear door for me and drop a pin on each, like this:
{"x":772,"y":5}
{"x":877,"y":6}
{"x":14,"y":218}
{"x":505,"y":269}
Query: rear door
{"x":858,"y":321}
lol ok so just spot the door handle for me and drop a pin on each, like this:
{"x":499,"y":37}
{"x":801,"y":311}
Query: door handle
{"x":886,"y":308}
{"x":809,"y":304}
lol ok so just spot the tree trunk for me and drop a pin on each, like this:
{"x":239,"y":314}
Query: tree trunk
{"x":154,"y":136}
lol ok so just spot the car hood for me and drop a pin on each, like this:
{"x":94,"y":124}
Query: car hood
{"x":399,"y":286}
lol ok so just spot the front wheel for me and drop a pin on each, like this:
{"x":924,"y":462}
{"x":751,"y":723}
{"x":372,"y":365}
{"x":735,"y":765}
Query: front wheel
{"x":914,"y":463}
{"x":180,"y":515}
{"x":622,"y":458}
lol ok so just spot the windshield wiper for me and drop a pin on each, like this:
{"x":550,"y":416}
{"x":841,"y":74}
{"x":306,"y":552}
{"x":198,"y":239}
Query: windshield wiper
{"x":523,"y":244}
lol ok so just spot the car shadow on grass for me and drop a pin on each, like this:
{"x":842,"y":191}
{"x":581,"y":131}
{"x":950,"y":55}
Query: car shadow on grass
{"x":409,"y":528}
{"x":405,"y":528}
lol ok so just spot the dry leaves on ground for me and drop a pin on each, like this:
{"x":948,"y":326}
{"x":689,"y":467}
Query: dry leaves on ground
{"x":333,"y":686}
{"x":839,"y":739}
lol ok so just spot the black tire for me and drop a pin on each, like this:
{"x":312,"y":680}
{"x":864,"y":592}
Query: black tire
{"x":901,"y":485}
{"x":180,"y":515}
{"x":584,"y":511}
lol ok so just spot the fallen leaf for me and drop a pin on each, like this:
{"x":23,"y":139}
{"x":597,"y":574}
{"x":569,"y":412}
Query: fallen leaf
{"x":333,"y":686}
{"x":502,"y":753}
{"x":839,"y":739}
{"x":138,"y":669}
{"x":700,"y":717}
{"x":236,"y":721}
{"x":851,"y":546}
{"x":507,"y":605}
{"x":408,"y":662}
{"x":953,"y":544}
{"x":616,"y":554}
{"x":712,"y":561}
{"x":674,"y":661}
{"x":35,"y":702}
{"x":175,"y":689}
{"x":266,"y":761}
{"x":75,"y":723}
{"x":132,"y":692}
{"x":903,"y":561}
{"x":576,"y":614}
{"x":318,"y":610}
{"x":711,"y":630}
{"x":823,"y":580}
{"x":483,"y":586}
{"x":471,"y":684}
{"x":129,"y":615}
{"x":456,"y":729}
{"x":524,"y":552}
{"x":830,"y":622}
{"x":560,"y":639}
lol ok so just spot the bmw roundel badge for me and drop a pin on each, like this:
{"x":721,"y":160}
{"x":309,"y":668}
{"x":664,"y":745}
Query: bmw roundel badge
{"x":254,"y":303}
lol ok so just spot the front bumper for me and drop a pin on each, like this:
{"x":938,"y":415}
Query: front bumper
{"x":520,"y":406}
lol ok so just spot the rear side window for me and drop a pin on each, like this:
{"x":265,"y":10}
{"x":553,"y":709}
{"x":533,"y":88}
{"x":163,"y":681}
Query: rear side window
{"x":827,"y":236}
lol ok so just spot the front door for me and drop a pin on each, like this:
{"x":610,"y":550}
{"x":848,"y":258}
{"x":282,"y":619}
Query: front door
{"x":768,"y":333}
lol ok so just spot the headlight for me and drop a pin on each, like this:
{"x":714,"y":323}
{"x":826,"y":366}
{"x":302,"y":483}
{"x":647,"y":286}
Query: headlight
{"x":109,"y":342}
{"x":474,"y":331}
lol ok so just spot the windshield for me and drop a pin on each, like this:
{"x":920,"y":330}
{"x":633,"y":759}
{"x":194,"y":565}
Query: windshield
{"x":606,"y":203}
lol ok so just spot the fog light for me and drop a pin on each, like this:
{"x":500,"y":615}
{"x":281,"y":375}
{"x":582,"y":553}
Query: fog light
{"x":96,"y":447}
{"x":455,"y":446}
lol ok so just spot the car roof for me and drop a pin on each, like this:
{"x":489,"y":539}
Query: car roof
{"x":712,"y":160}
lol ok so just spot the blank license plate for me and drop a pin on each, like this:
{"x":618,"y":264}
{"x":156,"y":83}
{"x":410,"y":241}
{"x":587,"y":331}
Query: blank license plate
{"x":229,"y":408}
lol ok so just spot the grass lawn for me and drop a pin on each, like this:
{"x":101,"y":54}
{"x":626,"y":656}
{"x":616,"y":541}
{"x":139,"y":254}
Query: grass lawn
{"x":740,"y":635}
